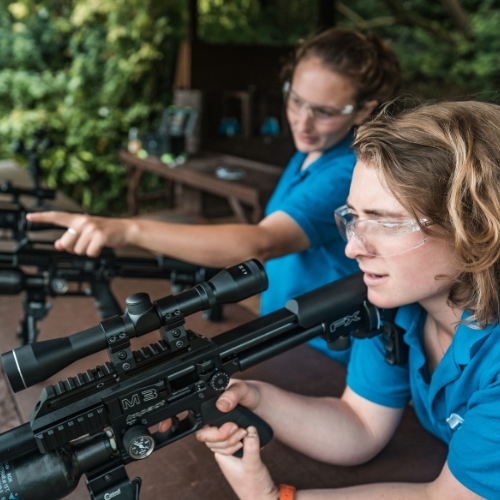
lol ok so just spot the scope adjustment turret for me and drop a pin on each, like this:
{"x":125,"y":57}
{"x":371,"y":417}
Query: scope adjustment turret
{"x":138,"y":303}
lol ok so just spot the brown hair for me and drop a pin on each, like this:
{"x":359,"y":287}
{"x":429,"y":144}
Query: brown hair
{"x":369,"y":63}
{"x":443,"y":161}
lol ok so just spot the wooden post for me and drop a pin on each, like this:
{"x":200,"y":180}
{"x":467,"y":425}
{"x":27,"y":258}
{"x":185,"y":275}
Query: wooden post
{"x":193,"y":21}
{"x":326,"y":14}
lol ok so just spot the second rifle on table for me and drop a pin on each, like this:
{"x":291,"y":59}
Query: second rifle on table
{"x":56,"y":271}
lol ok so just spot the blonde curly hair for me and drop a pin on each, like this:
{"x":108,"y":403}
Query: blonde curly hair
{"x":442,"y":161}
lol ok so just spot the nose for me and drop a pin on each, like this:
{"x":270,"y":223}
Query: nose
{"x":306,"y":111}
{"x":353,"y":249}
{"x":304,"y":119}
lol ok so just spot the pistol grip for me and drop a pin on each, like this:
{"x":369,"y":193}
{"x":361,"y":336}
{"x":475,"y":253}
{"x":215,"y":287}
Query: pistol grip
{"x":241,"y":416}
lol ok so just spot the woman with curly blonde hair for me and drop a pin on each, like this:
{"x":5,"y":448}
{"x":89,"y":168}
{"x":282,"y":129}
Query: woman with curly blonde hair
{"x":423,"y":222}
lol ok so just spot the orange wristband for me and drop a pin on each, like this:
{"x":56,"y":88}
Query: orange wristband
{"x":287,"y":492}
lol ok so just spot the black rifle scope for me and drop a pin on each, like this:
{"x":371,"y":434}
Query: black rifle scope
{"x":33,"y":363}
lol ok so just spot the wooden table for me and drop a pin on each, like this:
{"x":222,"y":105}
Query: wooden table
{"x":198,"y":175}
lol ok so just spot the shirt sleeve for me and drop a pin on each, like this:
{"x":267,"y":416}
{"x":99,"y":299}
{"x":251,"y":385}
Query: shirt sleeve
{"x":314,"y":200}
{"x":474,"y":450}
{"x":370,"y":376}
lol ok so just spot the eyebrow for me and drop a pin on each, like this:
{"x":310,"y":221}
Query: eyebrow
{"x":381,"y":213}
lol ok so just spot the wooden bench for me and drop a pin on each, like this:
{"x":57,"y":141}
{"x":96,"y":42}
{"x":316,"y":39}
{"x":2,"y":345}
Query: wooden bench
{"x":189,"y":181}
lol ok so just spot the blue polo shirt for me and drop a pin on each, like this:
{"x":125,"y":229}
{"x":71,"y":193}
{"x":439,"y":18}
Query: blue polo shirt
{"x":310,"y":197}
{"x":459,"y":404}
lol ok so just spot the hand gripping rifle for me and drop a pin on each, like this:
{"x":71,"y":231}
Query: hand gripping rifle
{"x":57,"y":270}
{"x":97,"y":422}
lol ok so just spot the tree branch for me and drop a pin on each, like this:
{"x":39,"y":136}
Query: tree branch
{"x":459,"y":16}
{"x":364,"y":24}
{"x":408,"y":16}
{"x":349,"y":13}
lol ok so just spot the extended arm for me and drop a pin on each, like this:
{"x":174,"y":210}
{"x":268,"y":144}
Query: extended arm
{"x":208,"y":245}
{"x":344,"y":431}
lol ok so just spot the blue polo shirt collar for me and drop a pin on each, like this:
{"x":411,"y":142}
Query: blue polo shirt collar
{"x":468,"y":339}
{"x":466,"y":342}
{"x":339,"y":149}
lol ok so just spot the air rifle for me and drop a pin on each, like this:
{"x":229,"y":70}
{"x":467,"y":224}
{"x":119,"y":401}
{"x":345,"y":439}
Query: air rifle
{"x":13,"y":218}
{"x":97,"y":422}
{"x":39,"y":145}
{"x":57,"y":270}
{"x":37,"y":192}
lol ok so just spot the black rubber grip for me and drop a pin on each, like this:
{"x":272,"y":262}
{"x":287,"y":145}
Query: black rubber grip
{"x":241,"y":416}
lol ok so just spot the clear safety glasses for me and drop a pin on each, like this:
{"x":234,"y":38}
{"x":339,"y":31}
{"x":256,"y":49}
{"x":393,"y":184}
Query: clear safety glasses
{"x":318,"y":113}
{"x":381,"y":238}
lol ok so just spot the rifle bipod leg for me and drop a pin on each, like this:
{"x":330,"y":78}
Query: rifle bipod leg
{"x":113,"y":483}
{"x":214,"y":314}
{"x":35,"y":309}
{"x":27,"y":331}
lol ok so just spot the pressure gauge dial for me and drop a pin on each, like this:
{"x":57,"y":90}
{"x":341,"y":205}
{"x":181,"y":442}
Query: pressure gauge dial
{"x":219,"y":381}
{"x":138,"y":442}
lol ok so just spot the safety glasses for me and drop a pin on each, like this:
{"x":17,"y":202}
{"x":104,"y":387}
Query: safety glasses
{"x":381,"y":238}
{"x":297,"y":105}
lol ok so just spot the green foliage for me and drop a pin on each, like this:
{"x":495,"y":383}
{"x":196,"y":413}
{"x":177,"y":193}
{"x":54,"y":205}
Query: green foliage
{"x":87,"y":70}
{"x":273,"y":22}
{"x":438,"y":59}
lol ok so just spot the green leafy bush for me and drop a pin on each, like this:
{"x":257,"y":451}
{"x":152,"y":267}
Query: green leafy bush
{"x":273,"y":22}
{"x":87,"y":70}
